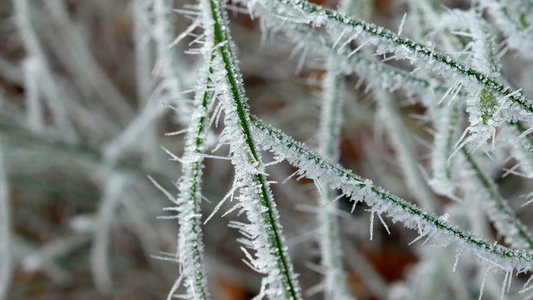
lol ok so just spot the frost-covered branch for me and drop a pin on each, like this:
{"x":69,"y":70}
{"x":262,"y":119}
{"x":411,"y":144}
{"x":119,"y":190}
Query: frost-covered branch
{"x":264,"y":232}
{"x":509,"y":105}
{"x":358,"y":189}
{"x":190,"y":246}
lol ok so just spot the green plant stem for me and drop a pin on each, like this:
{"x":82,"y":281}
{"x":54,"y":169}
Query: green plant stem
{"x":313,"y":165}
{"x":190,"y":245}
{"x":222,"y":40}
{"x":434,"y":60}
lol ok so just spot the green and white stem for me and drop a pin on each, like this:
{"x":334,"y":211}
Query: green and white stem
{"x":264,"y":232}
{"x":509,"y":105}
{"x":190,"y":251}
{"x":313,"y":166}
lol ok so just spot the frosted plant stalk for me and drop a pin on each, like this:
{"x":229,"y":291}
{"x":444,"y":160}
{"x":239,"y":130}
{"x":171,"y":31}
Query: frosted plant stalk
{"x":190,"y":247}
{"x":446,"y":122}
{"x":521,"y":147}
{"x":512,"y":105}
{"x":313,"y":166}
{"x":114,"y":149}
{"x":484,"y":55}
{"x":44,"y":258}
{"x":143,"y":50}
{"x":264,"y":232}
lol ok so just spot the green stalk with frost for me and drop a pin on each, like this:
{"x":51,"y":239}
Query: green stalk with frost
{"x":502,"y":216}
{"x":313,"y":166}
{"x":512,"y":105}
{"x":190,"y":252}
{"x":264,"y":233}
